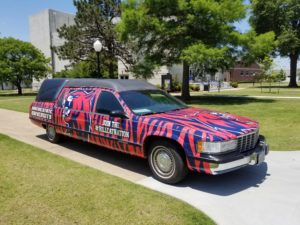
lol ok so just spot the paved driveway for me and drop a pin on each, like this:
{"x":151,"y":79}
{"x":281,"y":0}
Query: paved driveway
{"x":266,"y":194}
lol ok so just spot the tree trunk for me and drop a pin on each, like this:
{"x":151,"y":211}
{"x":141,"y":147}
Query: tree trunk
{"x":185,"y":90}
{"x":2,"y":85}
{"x":111,"y":70}
{"x":293,"y":70}
{"x":19,"y":89}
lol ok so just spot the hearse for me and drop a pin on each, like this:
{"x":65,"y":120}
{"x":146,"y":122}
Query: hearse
{"x":135,"y":117}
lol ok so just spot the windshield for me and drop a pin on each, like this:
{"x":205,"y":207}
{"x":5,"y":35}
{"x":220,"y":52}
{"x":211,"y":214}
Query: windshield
{"x":147,"y":102}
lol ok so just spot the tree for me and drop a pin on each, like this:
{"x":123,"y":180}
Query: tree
{"x":282,"y":17}
{"x":83,"y":69}
{"x":95,"y":19}
{"x":281,"y":76}
{"x":20,"y":62}
{"x":167,"y":32}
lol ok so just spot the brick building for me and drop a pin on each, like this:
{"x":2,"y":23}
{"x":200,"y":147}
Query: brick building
{"x":243,"y":73}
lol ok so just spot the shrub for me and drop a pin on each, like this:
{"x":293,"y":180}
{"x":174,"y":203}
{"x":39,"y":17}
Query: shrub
{"x":194,"y":87}
{"x":158,"y":86}
{"x":234,"y":84}
{"x":176,"y":86}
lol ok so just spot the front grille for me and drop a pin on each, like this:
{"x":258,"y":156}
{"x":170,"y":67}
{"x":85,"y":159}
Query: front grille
{"x":247,"y":141}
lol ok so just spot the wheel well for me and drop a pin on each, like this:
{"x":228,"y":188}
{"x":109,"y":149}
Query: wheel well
{"x":44,"y":126}
{"x":151,"y":139}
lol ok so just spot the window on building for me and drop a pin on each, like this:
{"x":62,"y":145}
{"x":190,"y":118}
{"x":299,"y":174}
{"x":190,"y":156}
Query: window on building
{"x":124,"y":77}
{"x":242,"y":73}
{"x":107,"y":103}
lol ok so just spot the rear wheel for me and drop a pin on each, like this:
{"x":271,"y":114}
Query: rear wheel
{"x":166,"y":162}
{"x":52,"y":135}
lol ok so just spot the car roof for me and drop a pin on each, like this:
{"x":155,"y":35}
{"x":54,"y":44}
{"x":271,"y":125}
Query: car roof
{"x":51,"y":88}
{"x":115,"y":84}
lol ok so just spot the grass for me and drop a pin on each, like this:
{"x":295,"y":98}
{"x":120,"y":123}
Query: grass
{"x":37,"y":187}
{"x":26,"y":91}
{"x":248,"y":89}
{"x":16,"y":103}
{"x":279,"y":118}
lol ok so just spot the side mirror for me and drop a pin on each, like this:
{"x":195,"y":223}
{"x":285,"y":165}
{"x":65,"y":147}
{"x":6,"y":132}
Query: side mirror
{"x":118,"y":113}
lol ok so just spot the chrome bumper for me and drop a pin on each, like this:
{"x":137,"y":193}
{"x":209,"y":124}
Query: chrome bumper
{"x":256,"y":158}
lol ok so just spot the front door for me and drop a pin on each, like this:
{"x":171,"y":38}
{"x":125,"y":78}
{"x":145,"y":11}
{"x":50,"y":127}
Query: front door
{"x":108,"y":130}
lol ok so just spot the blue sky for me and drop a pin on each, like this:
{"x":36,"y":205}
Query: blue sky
{"x":14,"y":16}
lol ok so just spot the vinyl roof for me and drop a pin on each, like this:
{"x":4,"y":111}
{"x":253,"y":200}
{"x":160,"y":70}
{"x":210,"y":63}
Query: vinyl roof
{"x":116,"y":84}
{"x":51,"y":88}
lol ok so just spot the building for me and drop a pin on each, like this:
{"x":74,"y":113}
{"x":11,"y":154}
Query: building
{"x":244,"y":73}
{"x":44,"y":36}
{"x":175,"y":70}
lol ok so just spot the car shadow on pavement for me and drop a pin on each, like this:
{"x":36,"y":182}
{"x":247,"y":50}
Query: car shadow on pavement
{"x":126,"y":161}
{"x":228,"y":183}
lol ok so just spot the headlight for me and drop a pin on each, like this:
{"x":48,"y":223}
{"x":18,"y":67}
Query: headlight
{"x":217,"y":147}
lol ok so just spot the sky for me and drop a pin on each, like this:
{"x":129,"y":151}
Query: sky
{"x":14,"y":19}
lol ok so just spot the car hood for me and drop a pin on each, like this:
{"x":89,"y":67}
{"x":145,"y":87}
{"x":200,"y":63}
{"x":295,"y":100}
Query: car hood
{"x":210,"y":125}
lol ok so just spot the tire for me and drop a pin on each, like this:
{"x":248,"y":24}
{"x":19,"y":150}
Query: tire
{"x":52,"y":136}
{"x":166,"y":162}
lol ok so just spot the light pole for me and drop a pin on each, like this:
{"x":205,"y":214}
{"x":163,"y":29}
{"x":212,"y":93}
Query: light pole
{"x":98,"y":47}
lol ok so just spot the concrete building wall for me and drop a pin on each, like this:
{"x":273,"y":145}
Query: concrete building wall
{"x":56,"y":20}
{"x":43,"y":35}
{"x":175,"y":70}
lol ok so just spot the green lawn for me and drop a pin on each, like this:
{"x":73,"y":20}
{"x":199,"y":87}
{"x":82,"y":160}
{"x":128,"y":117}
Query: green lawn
{"x":16,"y":103}
{"x":279,"y":119}
{"x":37,"y":187}
{"x":26,"y":91}
{"x":247,"y":89}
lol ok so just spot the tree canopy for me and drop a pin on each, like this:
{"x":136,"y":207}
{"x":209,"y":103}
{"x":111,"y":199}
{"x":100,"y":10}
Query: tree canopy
{"x":166,"y":32}
{"x":283,"y":18}
{"x":21,"y":62}
{"x":82,"y":69}
{"x":95,"y":19}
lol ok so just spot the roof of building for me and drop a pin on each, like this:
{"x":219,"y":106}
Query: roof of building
{"x":50,"y":88}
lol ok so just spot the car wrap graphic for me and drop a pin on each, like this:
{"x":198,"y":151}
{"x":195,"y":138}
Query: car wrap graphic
{"x":75,"y":116}
{"x":42,"y":111}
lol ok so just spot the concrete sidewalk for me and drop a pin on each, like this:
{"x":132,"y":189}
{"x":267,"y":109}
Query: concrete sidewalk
{"x":266,"y":194}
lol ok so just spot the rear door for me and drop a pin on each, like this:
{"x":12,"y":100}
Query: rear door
{"x":73,"y":111}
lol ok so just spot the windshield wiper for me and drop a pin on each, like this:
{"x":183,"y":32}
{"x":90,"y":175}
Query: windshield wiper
{"x":177,"y":109}
{"x":151,"y":113}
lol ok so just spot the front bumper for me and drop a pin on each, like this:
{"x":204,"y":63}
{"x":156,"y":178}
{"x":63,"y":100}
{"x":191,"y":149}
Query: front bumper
{"x":255,"y":158}
{"x":219,"y":164}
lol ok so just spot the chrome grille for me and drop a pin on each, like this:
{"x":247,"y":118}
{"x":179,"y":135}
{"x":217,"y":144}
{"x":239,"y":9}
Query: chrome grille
{"x":247,"y":141}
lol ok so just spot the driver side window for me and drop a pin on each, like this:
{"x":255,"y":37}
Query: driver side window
{"x":107,"y":103}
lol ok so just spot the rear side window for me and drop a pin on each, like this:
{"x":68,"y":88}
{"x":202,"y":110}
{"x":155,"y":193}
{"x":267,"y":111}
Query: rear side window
{"x":107,"y":103}
{"x":50,"y":89}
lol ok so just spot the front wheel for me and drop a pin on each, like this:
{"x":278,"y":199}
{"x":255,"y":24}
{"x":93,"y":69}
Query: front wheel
{"x":53,"y":137}
{"x":166,"y":162}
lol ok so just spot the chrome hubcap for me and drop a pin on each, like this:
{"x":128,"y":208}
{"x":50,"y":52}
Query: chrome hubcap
{"x":163,"y":162}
